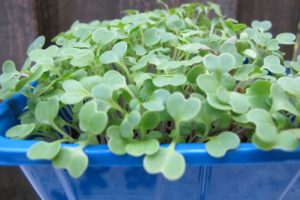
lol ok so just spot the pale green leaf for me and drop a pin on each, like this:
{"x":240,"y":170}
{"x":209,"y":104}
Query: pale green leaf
{"x":187,"y":110}
{"x":286,"y":38}
{"x":46,"y":111}
{"x":166,"y":161}
{"x":20,"y":131}
{"x":43,"y":150}
{"x":217,"y":146}
{"x":143,"y":147}
{"x":74,"y":160}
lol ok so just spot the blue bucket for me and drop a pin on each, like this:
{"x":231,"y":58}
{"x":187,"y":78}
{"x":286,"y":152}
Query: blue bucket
{"x":245,"y":173}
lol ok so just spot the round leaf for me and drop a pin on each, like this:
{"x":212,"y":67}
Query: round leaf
{"x":151,"y":36}
{"x":129,"y":123}
{"x":207,"y":83}
{"x":84,"y":58}
{"x":46,"y":111}
{"x":290,"y":85}
{"x":174,"y":80}
{"x":261,"y":25}
{"x":258,"y":93}
{"x":74,"y":160}
{"x":43,"y":150}
{"x":20,"y":131}
{"x":139,"y":148}
{"x":280,"y":100}
{"x":36,"y":44}
{"x":224,"y":62}
{"x":218,"y":145}
{"x":115,"y":55}
{"x":265,"y":127}
{"x":92,"y":120}
{"x":103,"y":36}
{"x":114,"y":79}
{"x":187,"y":110}
{"x":174,"y":22}
{"x":238,"y":102}
{"x":74,"y":92}
{"x":287,"y":141}
{"x":166,"y":161}
{"x":150,"y":120}
{"x":286,"y":38}
{"x":103,"y":92}
{"x":116,"y":143}
{"x":157,"y":101}
{"x":272,"y":63}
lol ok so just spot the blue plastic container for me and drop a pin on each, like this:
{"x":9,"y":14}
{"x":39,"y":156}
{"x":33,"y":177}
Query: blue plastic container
{"x":246,"y":173}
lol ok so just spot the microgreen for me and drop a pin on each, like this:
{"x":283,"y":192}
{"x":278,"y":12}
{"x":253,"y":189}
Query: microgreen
{"x":181,"y":75}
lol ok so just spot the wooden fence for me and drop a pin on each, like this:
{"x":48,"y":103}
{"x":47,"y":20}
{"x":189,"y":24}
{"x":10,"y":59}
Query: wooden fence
{"x":22,"y":20}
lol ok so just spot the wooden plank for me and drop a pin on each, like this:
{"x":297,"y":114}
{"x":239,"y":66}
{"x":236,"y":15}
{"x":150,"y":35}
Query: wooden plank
{"x":56,"y":16}
{"x":282,"y":13}
{"x":228,"y":6}
{"x":17,"y":29}
{"x":14,"y":186}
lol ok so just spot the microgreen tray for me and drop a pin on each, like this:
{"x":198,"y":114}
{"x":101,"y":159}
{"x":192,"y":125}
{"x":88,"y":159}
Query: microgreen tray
{"x":273,"y":174}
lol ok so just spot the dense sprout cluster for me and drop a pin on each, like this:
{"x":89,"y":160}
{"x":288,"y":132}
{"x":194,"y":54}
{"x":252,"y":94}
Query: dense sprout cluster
{"x":181,"y":75}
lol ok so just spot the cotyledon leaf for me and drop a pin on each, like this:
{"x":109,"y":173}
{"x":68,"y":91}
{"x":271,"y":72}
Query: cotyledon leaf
{"x":115,"y":54}
{"x":280,"y":100}
{"x":91,"y":119}
{"x":46,"y":111}
{"x":218,"y":145}
{"x":43,"y":150}
{"x":116,"y":143}
{"x":143,"y":147}
{"x":74,"y":92}
{"x":223,"y":63}
{"x":20,"y":131}
{"x":166,"y":161}
{"x":74,"y":160}
{"x":265,"y":128}
{"x":187,"y":110}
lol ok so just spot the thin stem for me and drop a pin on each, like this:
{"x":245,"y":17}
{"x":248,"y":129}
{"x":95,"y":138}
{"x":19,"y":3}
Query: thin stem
{"x":143,"y":133}
{"x":142,"y":36}
{"x":125,"y":69}
{"x":206,"y":131}
{"x":177,"y":127}
{"x":130,"y":92}
{"x":65,"y":135}
{"x":73,"y":125}
{"x":172,"y":145}
{"x":175,"y":54}
{"x":118,"y":107}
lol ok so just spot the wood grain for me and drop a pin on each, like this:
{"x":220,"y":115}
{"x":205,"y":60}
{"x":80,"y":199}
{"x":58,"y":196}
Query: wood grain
{"x":14,"y":186}
{"x":55,"y":16}
{"x":17,"y":29}
{"x":228,"y":6}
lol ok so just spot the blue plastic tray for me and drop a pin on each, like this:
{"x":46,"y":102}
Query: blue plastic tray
{"x":246,"y":173}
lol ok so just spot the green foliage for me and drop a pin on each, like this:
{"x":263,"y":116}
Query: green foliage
{"x":218,"y":145}
{"x":166,"y":161}
{"x":46,"y":111}
{"x":20,"y":131}
{"x":74,"y":160}
{"x":91,"y":120}
{"x":165,"y":76}
{"x":44,"y":150}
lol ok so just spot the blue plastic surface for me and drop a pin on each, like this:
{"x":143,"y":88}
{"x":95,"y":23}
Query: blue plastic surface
{"x":246,"y":173}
